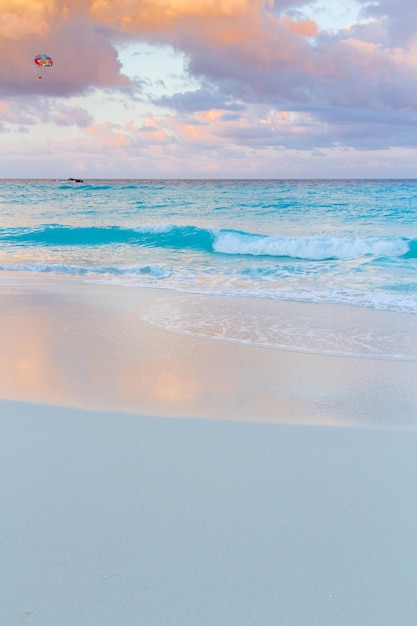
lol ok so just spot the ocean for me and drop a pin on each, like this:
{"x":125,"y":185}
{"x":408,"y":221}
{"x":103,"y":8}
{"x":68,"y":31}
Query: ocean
{"x":333,"y":243}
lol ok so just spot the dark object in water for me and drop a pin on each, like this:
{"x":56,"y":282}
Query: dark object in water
{"x":75,"y":180}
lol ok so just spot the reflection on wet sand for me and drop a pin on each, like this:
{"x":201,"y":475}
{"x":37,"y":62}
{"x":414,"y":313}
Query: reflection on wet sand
{"x":87,"y":346}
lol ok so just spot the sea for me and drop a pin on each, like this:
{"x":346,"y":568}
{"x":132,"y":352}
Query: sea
{"x":333,"y":243}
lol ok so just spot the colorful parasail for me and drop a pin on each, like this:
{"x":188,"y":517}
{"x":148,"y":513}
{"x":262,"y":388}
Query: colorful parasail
{"x":42,"y":60}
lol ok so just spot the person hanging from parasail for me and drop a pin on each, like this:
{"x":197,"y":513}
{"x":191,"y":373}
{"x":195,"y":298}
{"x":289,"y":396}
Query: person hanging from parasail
{"x":42,"y":60}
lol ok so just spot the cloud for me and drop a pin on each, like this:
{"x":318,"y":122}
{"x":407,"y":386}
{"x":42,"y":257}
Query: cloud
{"x":17,"y":111}
{"x":399,"y":16}
{"x":72,"y":115}
{"x":23,"y":113}
{"x":127,"y":137}
{"x":19,"y":19}
{"x":83,"y":54}
{"x":81,"y":36}
{"x":289,"y":65}
{"x":265,"y":74}
{"x":164,"y":16}
{"x":249,"y":50}
{"x":199,"y":100}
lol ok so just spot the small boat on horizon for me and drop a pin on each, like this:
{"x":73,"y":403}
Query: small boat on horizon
{"x":69,"y":180}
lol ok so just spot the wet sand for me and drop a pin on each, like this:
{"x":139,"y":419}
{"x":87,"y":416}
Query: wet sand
{"x":89,"y":346}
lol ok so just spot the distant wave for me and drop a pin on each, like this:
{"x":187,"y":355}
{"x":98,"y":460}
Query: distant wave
{"x":83,"y":185}
{"x":150,"y":271}
{"x":228,"y":242}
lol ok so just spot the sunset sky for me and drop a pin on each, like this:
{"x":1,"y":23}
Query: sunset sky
{"x":209,"y":89}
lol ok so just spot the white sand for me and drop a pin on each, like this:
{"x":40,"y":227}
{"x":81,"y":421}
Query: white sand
{"x":112,"y":519}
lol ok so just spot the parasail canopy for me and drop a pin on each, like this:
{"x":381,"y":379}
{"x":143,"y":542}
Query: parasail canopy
{"x":43,"y":60}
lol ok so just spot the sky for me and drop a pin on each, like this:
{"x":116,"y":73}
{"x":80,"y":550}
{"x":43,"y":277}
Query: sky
{"x":209,"y":89}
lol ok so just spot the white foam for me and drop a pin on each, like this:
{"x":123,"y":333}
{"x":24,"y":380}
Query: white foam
{"x":154,"y":228}
{"x":330,"y":329}
{"x":314,"y":248}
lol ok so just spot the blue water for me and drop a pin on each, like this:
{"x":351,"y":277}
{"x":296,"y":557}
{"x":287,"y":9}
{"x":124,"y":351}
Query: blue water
{"x":339,"y":242}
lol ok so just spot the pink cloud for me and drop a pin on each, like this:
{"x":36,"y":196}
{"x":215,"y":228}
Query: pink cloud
{"x":21,"y":19}
{"x":83,"y":54}
{"x":244,"y":54}
{"x":106,"y":134}
{"x":255,"y":49}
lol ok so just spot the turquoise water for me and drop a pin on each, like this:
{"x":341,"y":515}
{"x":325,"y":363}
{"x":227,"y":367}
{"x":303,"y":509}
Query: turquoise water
{"x":338,"y":242}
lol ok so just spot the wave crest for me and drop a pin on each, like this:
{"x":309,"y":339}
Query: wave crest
{"x":230,"y":242}
{"x":309,"y":248}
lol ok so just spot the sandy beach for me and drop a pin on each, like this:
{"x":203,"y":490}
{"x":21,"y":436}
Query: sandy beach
{"x":164,"y":478}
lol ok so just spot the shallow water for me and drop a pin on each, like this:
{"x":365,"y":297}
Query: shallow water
{"x":326,"y":242}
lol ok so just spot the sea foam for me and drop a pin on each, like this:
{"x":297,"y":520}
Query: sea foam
{"x":314,"y":248}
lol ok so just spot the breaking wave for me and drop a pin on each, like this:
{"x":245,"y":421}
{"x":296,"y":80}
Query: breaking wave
{"x":228,"y":242}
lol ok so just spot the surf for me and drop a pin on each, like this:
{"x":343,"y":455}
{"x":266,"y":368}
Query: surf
{"x":214,"y":241}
